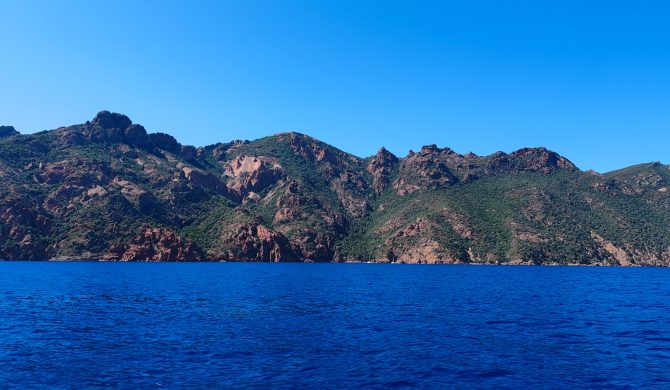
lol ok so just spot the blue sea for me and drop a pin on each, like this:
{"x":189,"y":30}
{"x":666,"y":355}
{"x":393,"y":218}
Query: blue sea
{"x":226,"y":325}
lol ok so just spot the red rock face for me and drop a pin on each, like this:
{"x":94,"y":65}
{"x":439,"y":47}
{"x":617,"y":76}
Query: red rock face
{"x":541,"y":160}
{"x":156,"y":244}
{"x":115,"y":128}
{"x":189,"y":153}
{"x":425,"y":169}
{"x":251,"y":174}
{"x":19,"y":223}
{"x":293,"y":198}
{"x":137,"y":135}
{"x":433,"y":167}
{"x":342,"y":171}
{"x":201,"y":179}
{"x":415,"y":243}
{"x":109,"y":120}
{"x":381,"y":167}
{"x":165,"y":142}
{"x":315,"y":246}
{"x":77,"y":173}
{"x":255,"y":242}
{"x":302,"y":146}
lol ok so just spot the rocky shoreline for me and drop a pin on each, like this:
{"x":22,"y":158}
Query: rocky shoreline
{"x":107,"y":189}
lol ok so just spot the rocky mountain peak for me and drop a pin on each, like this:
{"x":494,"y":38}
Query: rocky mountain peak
{"x":111,"y":120}
{"x":165,"y":142}
{"x":6,"y":131}
{"x":381,"y":167}
{"x":384,"y":155}
{"x":307,"y":147}
{"x":136,"y":135}
{"x":426,"y":169}
{"x":430,"y":149}
{"x":107,"y":189}
{"x":433,"y":149}
{"x":541,"y":160}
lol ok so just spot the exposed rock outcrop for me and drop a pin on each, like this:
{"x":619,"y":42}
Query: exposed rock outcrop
{"x":255,"y":242}
{"x":541,"y":160}
{"x":73,"y":192}
{"x":73,"y":172}
{"x":434,"y":167}
{"x":142,"y":199}
{"x":22,"y":232}
{"x":111,"y":120}
{"x":415,"y":243}
{"x":381,"y":167}
{"x":424,"y":170}
{"x":189,"y":153}
{"x":200,"y":178}
{"x":6,"y":131}
{"x":315,"y":246}
{"x":165,"y":142}
{"x":251,"y":174}
{"x":106,"y":127}
{"x":136,"y":135}
{"x":156,"y":244}
{"x":302,"y":145}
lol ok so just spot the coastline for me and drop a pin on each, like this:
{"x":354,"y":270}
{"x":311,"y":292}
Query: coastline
{"x":509,"y":264}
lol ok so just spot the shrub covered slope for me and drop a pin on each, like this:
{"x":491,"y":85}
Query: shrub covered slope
{"x":107,"y":189}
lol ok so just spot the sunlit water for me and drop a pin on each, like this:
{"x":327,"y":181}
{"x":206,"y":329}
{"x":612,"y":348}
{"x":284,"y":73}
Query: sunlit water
{"x":73,"y":325}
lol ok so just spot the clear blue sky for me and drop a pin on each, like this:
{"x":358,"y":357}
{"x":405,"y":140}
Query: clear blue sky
{"x":589,"y":79}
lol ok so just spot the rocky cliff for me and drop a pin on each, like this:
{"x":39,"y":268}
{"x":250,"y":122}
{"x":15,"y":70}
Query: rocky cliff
{"x":108,"y":189}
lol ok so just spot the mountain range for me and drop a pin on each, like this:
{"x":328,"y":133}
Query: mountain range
{"x":109,"y":190}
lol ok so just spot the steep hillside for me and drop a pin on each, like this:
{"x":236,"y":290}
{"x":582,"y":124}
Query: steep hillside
{"x":107,"y":189}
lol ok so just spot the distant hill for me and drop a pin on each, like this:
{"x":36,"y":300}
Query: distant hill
{"x":107,"y":189}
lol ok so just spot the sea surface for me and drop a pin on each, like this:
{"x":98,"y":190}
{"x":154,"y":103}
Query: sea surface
{"x":225,"y":325}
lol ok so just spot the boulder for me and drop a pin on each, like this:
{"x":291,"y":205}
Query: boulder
{"x":6,"y":131}
{"x":165,"y":142}
{"x":111,"y":120}
{"x":189,"y":152}
{"x":137,"y":135}
{"x":200,"y":178}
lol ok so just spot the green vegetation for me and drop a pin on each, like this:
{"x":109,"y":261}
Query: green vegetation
{"x":65,"y":196}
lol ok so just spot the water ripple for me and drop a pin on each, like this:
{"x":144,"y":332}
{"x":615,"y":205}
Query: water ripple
{"x":74,"y":325}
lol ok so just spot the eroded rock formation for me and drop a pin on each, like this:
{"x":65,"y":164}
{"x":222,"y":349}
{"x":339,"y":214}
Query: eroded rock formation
{"x":108,"y":189}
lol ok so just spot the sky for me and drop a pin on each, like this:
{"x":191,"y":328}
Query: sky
{"x":588,"y":79}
